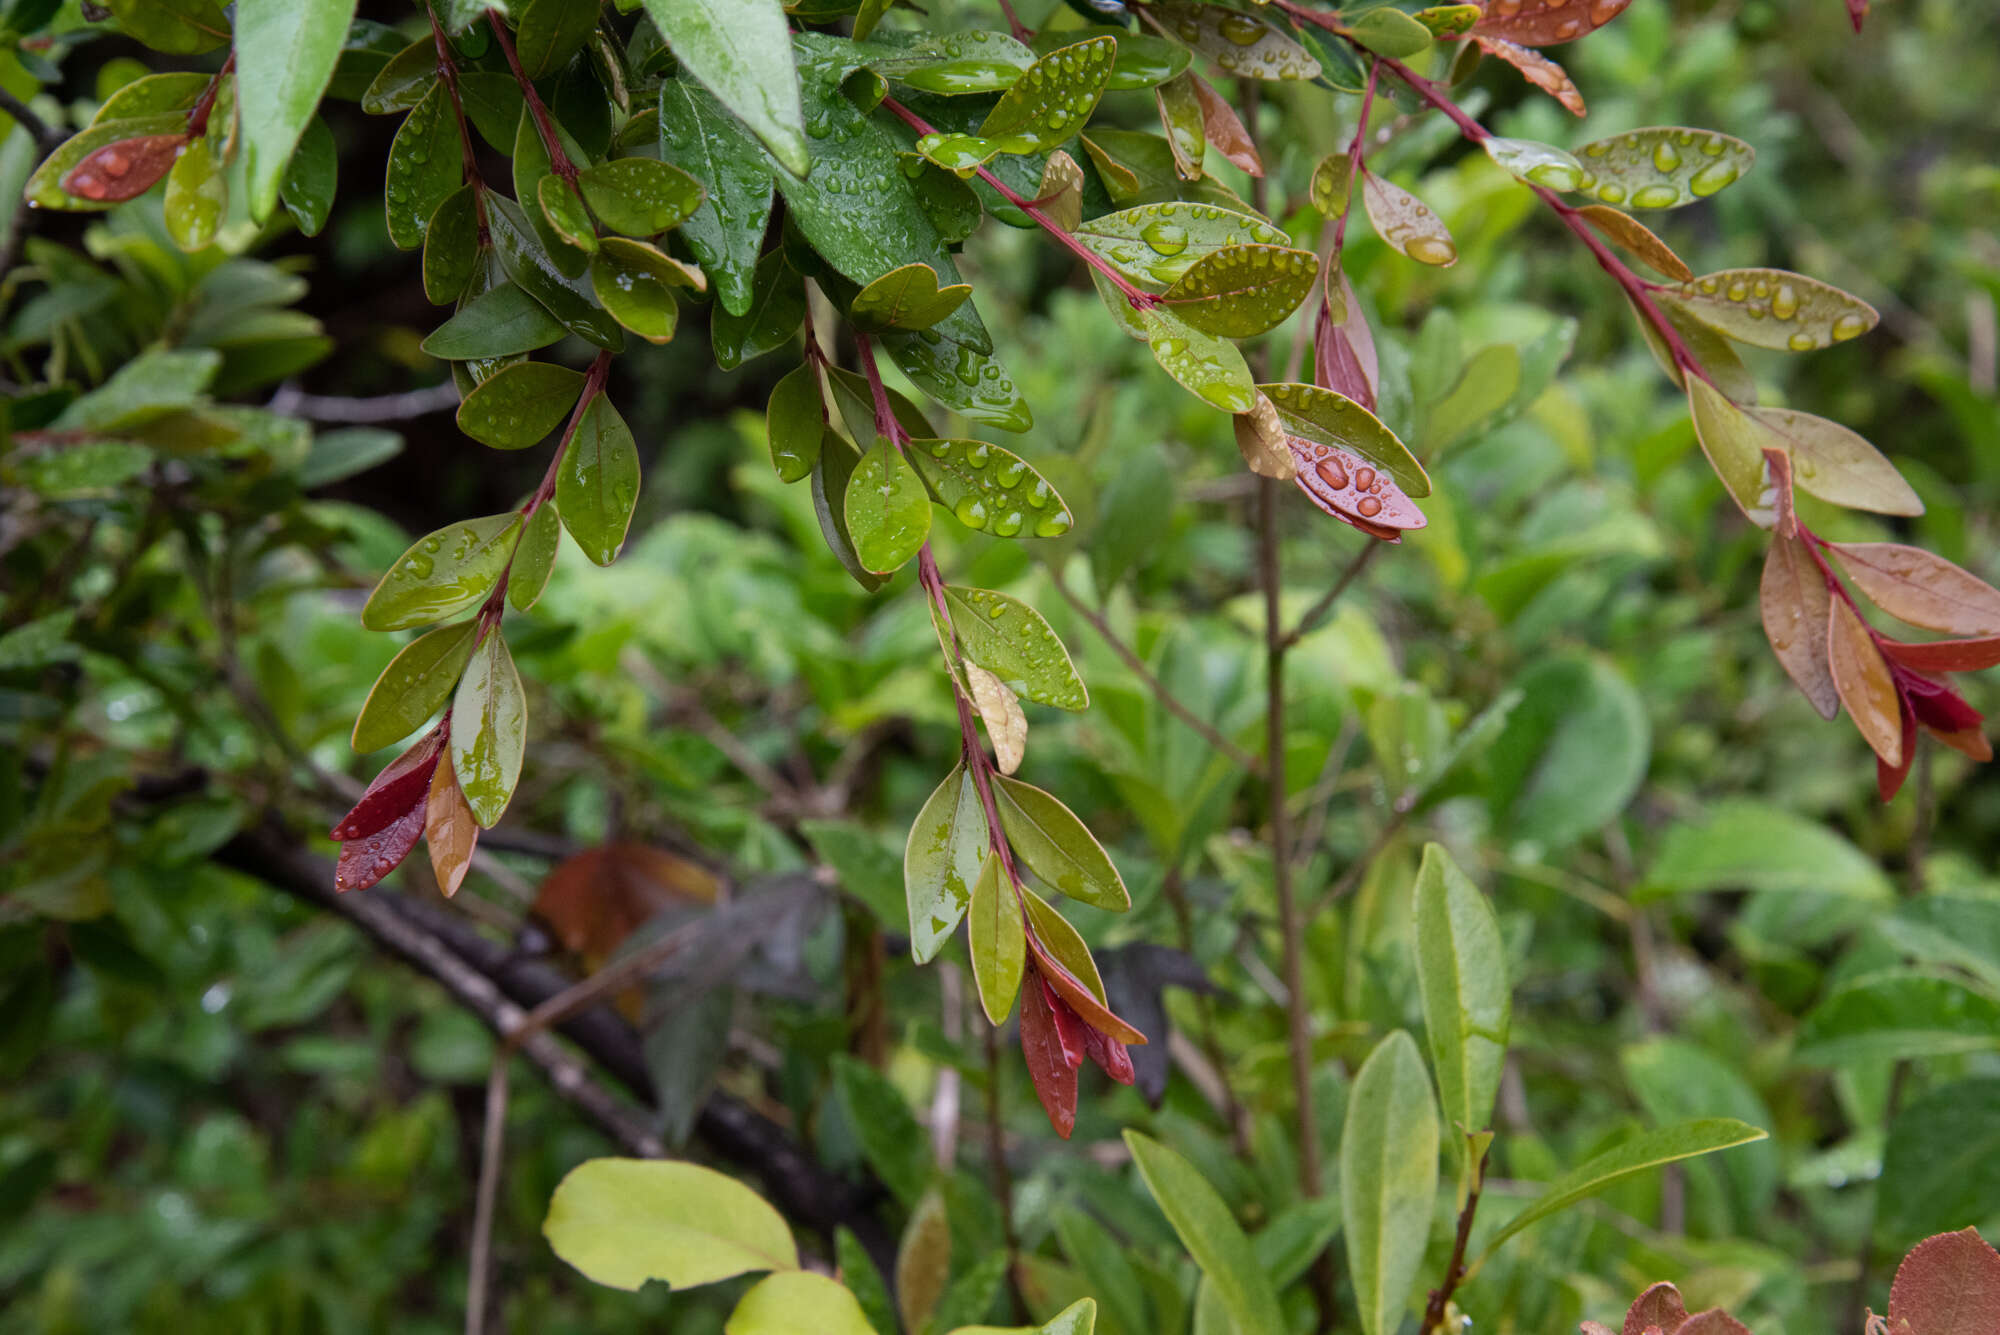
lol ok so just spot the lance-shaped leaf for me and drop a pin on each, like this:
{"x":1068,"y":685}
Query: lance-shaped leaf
{"x":518,"y":405}
{"x":996,"y":941}
{"x":1912,"y":585}
{"x":1862,"y":679}
{"x":1388,"y":1178}
{"x":1406,"y":223}
{"x":285,"y":54}
{"x":635,"y":282}
{"x":726,"y":229}
{"x":1537,"y":69}
{"x":426,"y":161}
{"x":1334,"y":420}
{"x":1260,"y":438}
{"x":1462,"y":974}
{"x":1543,"y":164}
{"x":395,"y":792}
{"x":1627,"y":231}
{"x":639,"y":196}
{"x":1053,"y":98}
{"x":1734,"y":443}
{"x":955,"y":63}
{"x":990,"y":489}
{"x":414,"y":686}
{"x":906,"y":298}
{"x":598,"y":486}
{"x":443,"y":573}
{"x":794,"y":423}
{"x":567,"y":298}
{"x":1661,"y":167}
{"x":500,"y":322}
{"x":1212,"y":1236}
{"x":535,"y":558}
{"x":1836,"y":465}
{"x":450,"y":830}
{"x":1546,"y":22}
{"x":1146,"y":61}
{"x":1770,"y":308}
{"x":489,"y":729}
{"x":1210,"y":368}
{"x":1792,"y":598}
{"x":451,"y":246}
{"x":1048,"y":1057}
{"x":1182,"y":120}
{"x":1053,"y":844}
{"x":742,"y":51}
{"x":1975,"y":655}
{"x":625,"y":1221}
{"x":1897,"y":1014}
{"x":888,"y":512}
{"x":1157,"y":243}
{"x":1012,"y":641}
{"x":1241,"y":291}
{"x":960,"y":377}
{"x":941,"y":861}
{"x":1063,"y":943}
{"x":1000,"y":710}
{"x":1241,"y":44}
{"x":307,"y":185}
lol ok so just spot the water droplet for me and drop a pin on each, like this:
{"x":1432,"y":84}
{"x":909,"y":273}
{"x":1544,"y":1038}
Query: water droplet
{"x":1332,"y":474}
{"x":1368,"y":507}
{"x":970,"y":512}
{"x":1052,"y":526}
{"x":1611,"y":193}
{"x":1712,"y":178}
{"x":1849,"y":326}
{"x":1364,"y":477}
{"x":1164,"y":237}
{"x":1009,"y":472}
{"x":1009,"y":524}
{"x":1656,"y":197}
{"x":1785,"y":303}
{"x":1432,"y":250}
{"x":1665,"y":156}
{"x":1241,"y":29}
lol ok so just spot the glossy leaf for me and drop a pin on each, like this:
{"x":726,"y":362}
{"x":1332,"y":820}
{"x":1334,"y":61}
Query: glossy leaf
{"x":1053,"y":98}
{"x":285,"y":54}
{"x":888,"y":511}
{"x":1546,"y":22}
{"x":906,"y":298}
{"x":197,"y":196}
{"x":1734,"y":443}
{"x":1792,"y":601}
{"x":1060,"y":193}
{"x":1334,"y":420}
{"x":443,"y":574}
{"x":403,"y":79}
{"x":1261,"y":440}
{"x":451,"y":246}
{"x":947,"y":844}
{"x":1388,"y":31}
{"x":639,"y":196}
{"x":598,"y":486}
{"x":1241,"y":44}
{"x":1537,"y":69}
{"x":1861,"y":677}
{"x":1462,"y":975}
{"x":1898,"y":1015}
{"x":960,"y":377}
{"x":395,"y":792}
{"x":519,"y":405}
{"x":1208,"y":367}
{"x":414,"y":686}
{"x":450,"y":831}
{"x":489,"y":729}
{"x":1972,"y":655}
{"x":777,"y":308}
{"x":1626,"y":231}
{"x":1157,"y":243}
{"x":548,"y":32}
{"x":1770,"y":308}
{"x":1000,"y":711}
{"x":1053,"y":844}
{"x":794,"y":422}
{"x":1941,"y":1164}
{"x":995,"y":940}
{"x":177,"y":27}
{"x":1543,"y":164}
{"x":364,"y":861}
{"x":1211,"y":1234}
{"x":1406,"y":223}
{"x":1051,"y":1062}
{"x":108,"y":164}
{"x":1913,"y":585}
{"x":1388,"y":1179}
{"x":635,"y":282}
{"x":563,"y":212}
{"x":307,"y":185}
{"x":955,"y":63}
{"x":554,"y":212}
{"x":1012,"y":641}
{"x":1835,"y":464}
{"x":1242,"y":291}
{"x":568,"y":299}
{"x":425,"y":165}
{"x":1186,"y":130}
{"x":1661,"y":167}
{"x":742,"y":51}
{"x":830,"y":475}
{"x":1331,"y":183}
{"x":500,"y":322}
{"x":625,"y":1221}
{"x":726,"y":229}
{"x":535,"y":558}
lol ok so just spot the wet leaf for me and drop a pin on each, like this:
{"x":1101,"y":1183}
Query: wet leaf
{"x":1661,"y":167}
{"x":625,"y":1221}
{"x":1060,"y":193}
{"x":1053,"y":98}
{"x":955,"y":63}
{"x":742,"y":51}
{"x":1862,"y":678}
{"x":777,"y":308}
{"x":888,"y":511}
{"x":1333,"y":420}
{"x":1770,"y":308}
{"x":1546,"y":22}
{"x":1406,"y":223}
{"x":1543,"y":164}
{"x":1242,"y":291}
{"x":1000,"y":711}
{"x":1186,"y":129}
{"x":535,"y":558}
{"x":567,"y":298}
{"x":1734,"y":443}
{"x":1208,"y":1229}
{"x":1144,"y":61}
{"x":562,"y":210}
{"x":598,"y":487}
{"x":285,"y":54}
{"x":906,"y":298}
{"x":1538,"y":70}
{"x":1011,"y":640}
{"x":1210,"y":368}
{"x":1260,"y":438}
{"x":1792,"y":600}
{"x":960,"y":377}
{"x":395,"y":792}
{"x":1157,"y":243}
{"x":489,"y":729}
{"x":1047,"y":1057}
{"x":997,"y":945}
{"x":108,"y":164}
{"x":364,"y":861}
{"x":1946,"y":655}
{"x":548,"y":32}
{"x":1462,"y":974}
{"x":1241,"y":44}
{"x":443,"y":574}
{"x":1626,"y":231}
{"x":500,"y":322}
{"x":413,"y":687}
{"x":177,"y":27}
{"x":1912,"y":585}
{"x":948,"y":842}
{"x":307,"y":186}
{"x":794,"y":422}
{"x":555,"y":213}
{"x":726,"y":229}
{"x":830,"y":475}
{"x":635,"y":282}
{"x":960,"y":154}
{"x":1330,"y":184}
{"x":990,"y":489}
{"x":1835,"y":464}
{"x":639,"y":196}
{"x":1948,"y":1285}
{"x":1448,"y":20}
{"x":450,"y":830}
{"x":1225,"y":129}
{"x":451,"y":246}
{"x":1897,"y":1015}
{"x":1388,"y":1179}
{"x":1053,"y":844}
{"x":1716,"y":354}
{"x":196,"y":198}
{"x":518,"y":405}
{"x":426,"y":162}
{"x":402,"y":80}
{"x":1388,"y":31}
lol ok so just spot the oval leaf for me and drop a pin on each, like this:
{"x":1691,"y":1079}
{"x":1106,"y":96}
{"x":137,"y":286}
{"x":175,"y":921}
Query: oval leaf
{"x":443,"y":573}
{"x":1662,"y":167}
{"x":1625,"y":230}
{"x":1770,"y":308}
{"x":518,"y":405}
{"x":1334,"y":420}
{"x":1543,"y":164}
{"x":1211,"y":1234}
{"x":1898,"y":1015}
{"x":1388,"y":1179}
{"x":501,"y":322}
{"x":635,"y":282}
{"x":1546,"y":22}
{"x":426,"y":162}
{"x":1912,"y":585}
{"x":1053,"y":98}
{"x":1210,"y":368}
{"x":450,"y":830}
{"x":598,"y":486}
{"x":1157,"y":243}
{"x":1406,"y":223}
{"x":1053,"y":844}
{"x":988,"y":488}
{"x":996,"y":941}
{"x":639,"y":196}
{"x":888,"y":511}
{"x":489,"y":729}
{"x":907,"y":298}
{"x":451,"y":246}
{"x":1792,"y":601}
{"x":948,"y":842}
{"x":1241,"y":44}
{"x":1012,"y":641}
{"x":414,"y":686}
{"x":625,"y":1221}
{"x":1241,"y":291}
{"x":1836,"y":465}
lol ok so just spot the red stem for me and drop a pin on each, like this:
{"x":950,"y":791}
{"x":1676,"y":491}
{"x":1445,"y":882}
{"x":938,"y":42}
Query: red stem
{"x":197,"y":122}
{"x":559,"y":161}
{"x":447,"y":69}
{"x":1355,"y":152}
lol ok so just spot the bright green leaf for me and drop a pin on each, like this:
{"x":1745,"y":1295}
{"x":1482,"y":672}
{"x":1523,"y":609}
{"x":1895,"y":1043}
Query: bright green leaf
{"x":888,"y":511}
{"x":285,"y":54}
{"x":1053,"y":98}
{"x":625,"y":1221}
{"x":536,"y":557}
{"x":1894,"y":1015}
{"x":500,"y":322}
{"x":1211,"y":1235}
{"x":1210,"y":368}
{"x":598,"y":487}
{"x":1157,"y":243}
{"x":1241,"y":291}
{"x":988,"y":488}
{"x":1012,"y":641}
{"x":443,"y":574}
{"x":1388,"y":1179}
{"x":414,"y":686}
{"x":906,"y":298}
{"x":489,"y":729}
{"x":518,"y":405}
{"x":1462,"y":974}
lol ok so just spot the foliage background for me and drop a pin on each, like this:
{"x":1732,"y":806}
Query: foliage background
{"x":225,"y":1111}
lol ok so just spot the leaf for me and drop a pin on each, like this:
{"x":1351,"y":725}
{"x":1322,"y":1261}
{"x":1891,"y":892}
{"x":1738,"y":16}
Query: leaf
{"x":1406,"y":223}
{"x":1337,"y":421}
{"x":307,"y":186}
{"x":489,"y":729}
{"x":1897,"y":1015}
{"x":285,"y":54}
{"x":1626,"y":231}
{"x":1744,"y":845}
{"x":888,"y":511}
{"x":535,"y":558}
{"x":1063,"y":943}
{"x":177,"y":27}
{"x":960,"y":377}
{"x":1332,"y":181}
{"x":1546,"y":22}
{"x":948,"y":842}
{"x":1157,"y":243}
{"x":1181,"y":119}
{"x":402,"y":80}
{"x":639,"y":196}
{"x":1211,"y":1235}
{"x":1572,"y":754}
{"x":635,"y":282}
{"x":923,"y":1261}
{"x":1862,"y":679}
{"x":1053,"y":98}
{"x":1836,"y":465}
{"x":1462,"y":974}
{"x":1542,"y":164}
{"x":857,"y":1268}
{"x":1715,"y":354}
{"x":906,"y":298}
{"x":396,"y":791}
{"x":1538,"y":70}
{"x":1948,"y":1285}
{"x":1390,"y":32}
{"x":726,"y":229}
{"x":1242,"y":291}
{"x":1946,"y":655}
{"x":1208,"y":367}
{"x":1225,"y":130}
{"x":1770,"y":308}
{"x":365,"y":861}
{"x":771,"y":320}
{"x":625,"y":1221}
{"x":1734,"y":442}
{"x":830,"y":475}
{"x":548,"y":32}
{"x":1912,"y":585}
{"x":597,"y":900}
{"x":1941,"y":1163}
{"x":442,"y":574}
{"x":569,"y":299}
{"x":449,"y":830}
{"x":989,"y":488}
{"x":1060,"y":193}
{"x":1012,"y":641}
{"x":451,"y":246}
{"x":500,"y":322}
{"x":197,"y":196}
{"x":426,"y":163}
{"x":1648,"y":1149}
{"x":518,"y":405}
{"x":598,"y":487}
{"x":414,"y":686}
{"x":1053,"y":844}
{"x":1000,"y":711}
{"x":108,"y":164}
{"x":955,"y":63}
{"x":742,"y":51}
{"x":794,"y":422}
{"x":1388,"y":1178}
{"x":1662,"y":167}
{"x":561,"y":211}
{"x":1792,"y":601}
{"x":995,"y":941}
{"x":1673,"y":1079}
{"x":1241,"y":44}
{"x":891,"y":1139}
{"x":1261,"y":440}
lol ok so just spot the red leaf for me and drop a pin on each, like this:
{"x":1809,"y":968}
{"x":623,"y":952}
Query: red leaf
{"x":1714,"y":1321}
{"x":1110,"y":1056}
{"x":596,"y":899}
{"x":1353,"y":490}
{"x":124,"y":170}
{"x":1225,"y":129}
{"x":1659,"y":1306}
{"x":1070,"y":1030}
{"x":402,"y":784}
{"x":1948,"y":1285}
{"x":1946,"y":655}
{"x":1080,"y":998}
{"x":1937,"y":705}
{"x":1971,"y":743}
{"x":1054,"y":1077}
{"x":1857,"y":10}
{"x":1546,"y":22}
{"x":1889,"y":776}
{"x":366,"y":860}
{"x":1538,"y":70}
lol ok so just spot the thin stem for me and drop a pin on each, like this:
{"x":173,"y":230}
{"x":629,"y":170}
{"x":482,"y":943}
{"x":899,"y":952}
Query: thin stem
{"x":47,"y":137}
{"x":198,"y":114}
{"x":1022,"y":32}
{"x":559,"y":160}
{"x":1355,"y":152}
{"x":1454,"y":1271}
{"x":1317,"y":612}
{"x":492,"y":1150}
{"x":447,"y":69}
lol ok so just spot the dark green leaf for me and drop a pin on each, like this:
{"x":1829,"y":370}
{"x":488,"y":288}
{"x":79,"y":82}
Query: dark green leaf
{"x":1053,"y":844}
{"x":562,"y":209}
{"x":489,"y":729}
{"x":548,"y":32}
{"x":536,"y":557}
{"x":559,"y":223}
{"x":726,"y":230}
{"x":742,"y":51}
{"x":639,"y":196}
{"x":414,"y":686}
{"x":960,"y":377}
{"x":568,"y":299}
{"x":635,"y":282}
{"x":777,"y":308}
{"x":308,"y":184}
{"x":1572,"y":754}
{"x":1941,"y":1165}
{"x":518,"y":405}
{"x":1895,"y":1015}
{"x":426,"y":162}
{"x":177,"y":27}
{"x":1012,"y":641}
{"x":497,"y":323}
{"x":830,"y":474}
{"x":895,"y":1145}
{"x":794,"y":422}
{"x":451,"y":246}
{"x":598,"y":487}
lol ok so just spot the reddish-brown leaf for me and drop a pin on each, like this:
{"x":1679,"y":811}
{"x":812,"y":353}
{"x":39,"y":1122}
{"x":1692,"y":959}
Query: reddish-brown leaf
{"x":1354,"y":491}
{"x":449,"y":829}
{"x":1070,"y":1030}
{"x":124,"y":170}
{"x":1937,"y":705}
{"x":1946,"y":655}
{"x":1110,"y":1056}
{"x":1659,"y":1306}
{"x":1861,"y":675}
{"x":1971,"y":743}
{"x":366,"y":860}
{"x":1054,"y":1077}
{"x":1538,"y":70}
{"x":1714,"y":1321}
{"x":1793,"y":600}
{"x":400,"y":786}
{"x":596,"y":899}
{"x":1225,"y":129}
{"x":1948,"y":1285}
{"x":1638,"y":238}
{"x":1779,"y":465}
{"x":1080,"y":998}
{"x":1344,"y":355}
{"x":1912,"y":585}
{"x":1857,"y":11}
{"x":1546,"y":22}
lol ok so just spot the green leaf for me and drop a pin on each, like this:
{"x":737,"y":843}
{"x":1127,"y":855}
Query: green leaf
{"x":403,"y":79}
{"x":285,"y":54}
{"x":1887,"y":1016}
{"x":414,"y":686}
{"x":562,"y":209}
{"x":1208,"y":367}
{"x":1745,"y":845}
{"x":91,"y":468}
{"x":558,"y":221}
{"x":1837,"y":465}
{"x":973,"y":1293}
{"x":598,"y":487}
{"x":1960,"y":930}
{"x":988,"y":488}
{"x":1648,"y":1149}
{"x":960,"y":377}
{"x":777,"y":308}
{"x":443,"y":574}
{"x":742,"y":51}
{"x":1674,"y":1079}
{"x":1572,"y":754}
{"x":635,"y":282}
{"x":1079,"y":1318}
{"x":307,"y":187}
{"x":1734,"y":442}
{"x":153,"y":385}
{"x":830,"y":476}
{"x":1771,"y":308}
{"x":625,"y":1221}
{"x":948,"y":842}
{"x":906,"y":298}
{"x":1388,"y":1179}
{"x":953,"y":63}
{"x":726,"y":229}
{"x":1542,"y":164}
{"x":796,"y":1300}
{"x":893,"y":1142}
{"x":639,"y":196}
{"x":1941,"y":1164}
{"x":1660,"y":167}
{"x":1053,"y":98}
{"x":489,"y":729}
{"x":1331,"y":419}
{"x":1053,"y":844}
{"x":197,"y":196}
{"x":548,"y":32}
{"x":337,"y":455}
{"x":1241,"y":44}
{"x":1241,"y":291}
{"x":866,"y":1282}
{"x":1186,"y":125}
{"x":500,"y":322}
{"x":1063,"y":942}
{"x":1157,"y":243}
{"x":1012,"y":641}
{"x":518,"y":405}
{"x":451,"y":246}
{"x":1716,"y":354}
{"x":426,"y":163}
{"x":569,"y":299}
{"x":923,"y":1261}
{"x":794,"y":422}
{"x":995,"y":940}
{"x":1146,"y":61}
{"x":1211,"y":1235}
{"x":888,"y":511}
{"x":176,"y":27}
{"x":1462,"y":974}
{"x":1406,"y":223}
{"x":1390,"y":32}
{"x":535,"y":558}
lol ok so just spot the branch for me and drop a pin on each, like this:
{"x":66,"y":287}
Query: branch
{"x":47,"y":137}
{"x":290,"y":401}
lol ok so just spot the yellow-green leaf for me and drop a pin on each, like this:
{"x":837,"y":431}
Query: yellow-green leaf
{"x":1406,"y":223}
{"x":1734,"y":443}
{"x":1835,"y":464}
{"x":1053,"y":844}
{"x":941,"y":861}
{"x":625,"y":1221}
{"x":635,"y":282}
{"x":1770,"y":308}
{"x":1661,"y":167}
{"x":1210,"y":368}
{"x":888,"y":511}
{"x":1053,"y":98}
{"x":598,"y":487}
{"x":1012,"y":641}
{"x":489,"y":729}
{"x":1212,"y":1236}
{"x":1388,"y":1179}
{"x":997,"y":944}
{"x":990,"y":489}
{"x":196,"y":198}
{"x":1157,"y":243}
{"x":907,"y":298}
{"x":639,"y":196}
{"x":1462,"y":976}
{"x":1543,"y":164}
{"x":1241,"y":291}
{"x":443,"y":573}
{"x":1240,"y":43}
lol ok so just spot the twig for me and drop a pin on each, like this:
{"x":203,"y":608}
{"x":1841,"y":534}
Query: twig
{"x":291,"y":401}
{"x":559,"y":159}
{"x":1317,"y":612}
{"x":478,"y":1282}
{"x":47,"y":137}
{"x":1454,"y":1271}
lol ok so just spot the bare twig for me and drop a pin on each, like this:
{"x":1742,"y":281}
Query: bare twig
{"x":47,"y":137}
{"x":1454,"y":1270}
{"x":478,"y":1282}
{"x":1317,"y":612}
{"x":291,"y":401}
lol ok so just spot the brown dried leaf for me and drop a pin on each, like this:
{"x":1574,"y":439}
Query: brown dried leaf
{"x":1545,"y":22}
{"x":1225,"y":128}
{"x":1861,"y":676}
{"x":1260,"y":437}
{"x":1948,"y":1285}
{"x":1912,"y":585}
{"x":923,"y":1261}
{"x":1000,"y":711}
{"x":596,"y":899}
{"x":1060,"y":195}
{"x":1793,"y":600}
{"x":1538,"y":70}
{"x":450,"y":830}
{"x":1627,"y":231}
